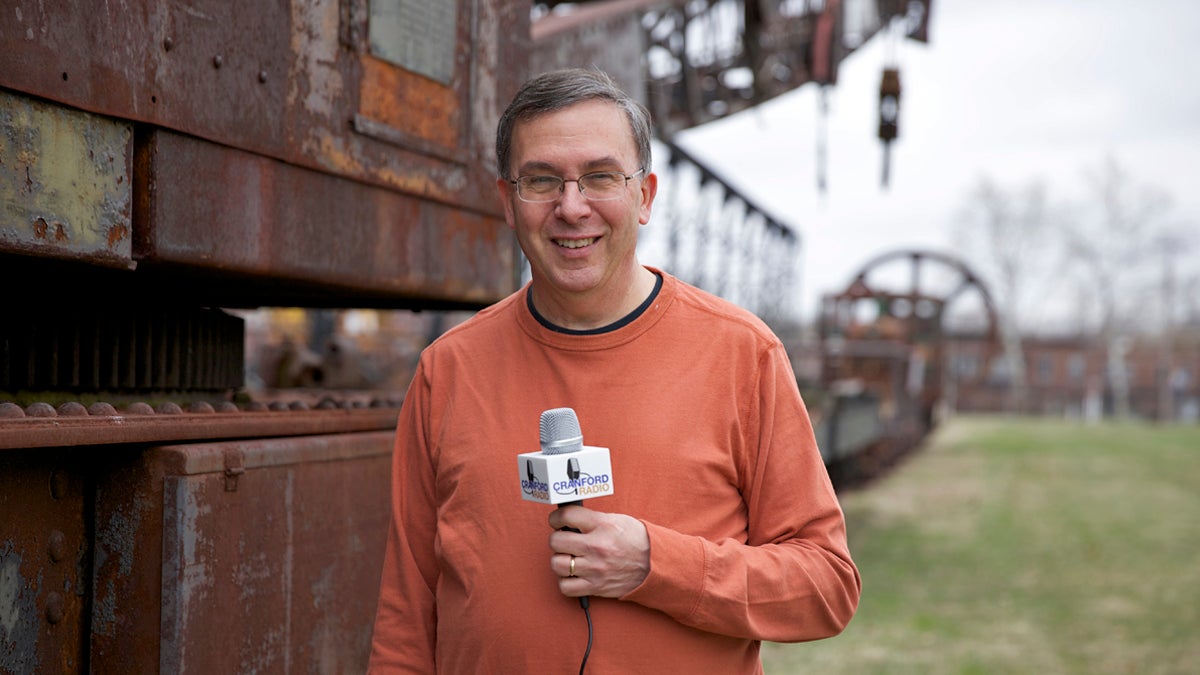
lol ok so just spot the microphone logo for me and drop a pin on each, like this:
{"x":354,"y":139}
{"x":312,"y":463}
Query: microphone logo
{"x":573,"y":472}
{"x":531,"y":486}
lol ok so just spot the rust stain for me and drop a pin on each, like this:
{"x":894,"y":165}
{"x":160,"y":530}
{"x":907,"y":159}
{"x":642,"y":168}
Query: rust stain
{"x":117,"y":234}
{"x":390,"y":95}
{"x":42,"y":230}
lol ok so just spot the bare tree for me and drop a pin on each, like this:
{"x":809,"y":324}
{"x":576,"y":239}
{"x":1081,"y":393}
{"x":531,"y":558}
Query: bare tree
{"x":1175,"y":248}
{"x":1005,"y":234}
{"x":1111,"y":242}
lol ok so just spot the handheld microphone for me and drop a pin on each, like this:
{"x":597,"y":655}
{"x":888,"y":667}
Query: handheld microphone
{"x":564,"y":471}
{"x":585,"y":471}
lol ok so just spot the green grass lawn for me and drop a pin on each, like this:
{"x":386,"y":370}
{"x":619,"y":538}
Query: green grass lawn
{"x":1010,"y":545}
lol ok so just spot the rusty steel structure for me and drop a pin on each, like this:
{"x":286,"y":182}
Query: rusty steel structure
{"x":707,"y":59}
{"x":720,"y":240}
{"x":701,"y":60}
{"x":884,"y":341}
{"x":165,"y":165}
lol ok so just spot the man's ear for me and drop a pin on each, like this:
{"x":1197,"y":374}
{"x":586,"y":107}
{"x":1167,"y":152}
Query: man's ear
{"x":505,"y":189}
{"x":649,"y":189}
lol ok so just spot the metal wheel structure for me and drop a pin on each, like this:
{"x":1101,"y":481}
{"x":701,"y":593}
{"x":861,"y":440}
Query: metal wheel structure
{"x":885,"y":364}
{"x":902,"y":319}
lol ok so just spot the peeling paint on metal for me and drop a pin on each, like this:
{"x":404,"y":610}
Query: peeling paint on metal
{"x":324,"y":640}
{"x":315,"y":82}
{"x":187,"y":554}
{"x":104,"y":610}
{"x":64,"y":180}
{"x":289,"y":559}
{"x":104,"y":616}
{"x":120,"y":528}
{"x":10,"y":591}
{"x":19,"y":620}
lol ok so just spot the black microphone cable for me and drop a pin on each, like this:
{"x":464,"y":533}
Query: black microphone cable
{"x":583,"y":602}
{"x":559,"y":433}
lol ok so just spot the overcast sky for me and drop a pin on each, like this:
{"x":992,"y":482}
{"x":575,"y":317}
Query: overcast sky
{"x":1017,"y":91}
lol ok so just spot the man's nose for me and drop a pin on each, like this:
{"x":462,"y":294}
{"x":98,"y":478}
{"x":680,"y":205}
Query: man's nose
{"x":572,"y":199}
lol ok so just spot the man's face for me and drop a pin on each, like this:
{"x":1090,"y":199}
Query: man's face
{"x":577,"y":246}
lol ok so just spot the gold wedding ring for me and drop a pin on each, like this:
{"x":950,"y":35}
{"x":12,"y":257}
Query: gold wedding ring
{"x":571,"y":573}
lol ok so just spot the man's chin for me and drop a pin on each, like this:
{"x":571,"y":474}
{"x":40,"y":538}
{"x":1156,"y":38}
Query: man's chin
{"x":572,"y":280}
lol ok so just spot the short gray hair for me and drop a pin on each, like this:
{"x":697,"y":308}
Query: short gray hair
{"x":558,"y":89}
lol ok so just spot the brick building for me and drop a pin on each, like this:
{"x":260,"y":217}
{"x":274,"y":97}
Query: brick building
{"x":1070,"y":376}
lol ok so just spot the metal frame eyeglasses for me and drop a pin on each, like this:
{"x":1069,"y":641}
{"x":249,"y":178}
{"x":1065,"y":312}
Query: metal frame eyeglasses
{"x":598,"y":186}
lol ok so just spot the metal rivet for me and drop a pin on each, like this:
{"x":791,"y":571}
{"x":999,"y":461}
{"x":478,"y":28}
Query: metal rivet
{"x":262,"y":76}
{"x":41,"y":409}
{"x":56,"y":546}
{"x":139,"y":408}
{"x":169,"y":408}
{"x":11,"y":410}
{"x":168,"y":43}
{"x":218,"y":61}
{"x":100,"y":408}
{"x":56,"y":607}
{"x":72,"y":409}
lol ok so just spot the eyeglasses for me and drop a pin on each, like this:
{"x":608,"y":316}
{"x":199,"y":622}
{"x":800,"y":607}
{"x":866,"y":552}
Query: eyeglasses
{"x":597,"y":187}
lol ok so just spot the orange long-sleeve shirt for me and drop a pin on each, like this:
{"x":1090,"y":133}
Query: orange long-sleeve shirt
{"x":711,"y":448}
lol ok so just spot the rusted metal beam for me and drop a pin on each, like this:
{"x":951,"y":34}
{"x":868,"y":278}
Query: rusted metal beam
{"x":282,"y":233}
{"x":286,"y":153}
{"x":41,"y":425}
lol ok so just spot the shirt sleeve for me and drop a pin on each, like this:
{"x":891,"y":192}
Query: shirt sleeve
{"x":405,"y":634}
{"x":792,"y":579}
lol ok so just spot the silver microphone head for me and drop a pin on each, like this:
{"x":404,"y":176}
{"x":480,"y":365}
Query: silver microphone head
{"x":559,"y":430}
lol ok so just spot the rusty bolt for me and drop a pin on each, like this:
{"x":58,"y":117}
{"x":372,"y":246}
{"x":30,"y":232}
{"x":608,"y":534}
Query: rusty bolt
{"x":218,"y":61}
{"x":56,"y":607}
{"x":168,"y":43}
{"x":56,"y":545}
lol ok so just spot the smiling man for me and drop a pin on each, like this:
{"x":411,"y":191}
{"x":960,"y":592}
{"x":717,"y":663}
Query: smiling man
{"x":580,"y":236}
{"x":724,"y":531}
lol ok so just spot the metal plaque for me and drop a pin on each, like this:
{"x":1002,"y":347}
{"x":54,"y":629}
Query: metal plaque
{"x":416,"y":34}
{"x":64,"y":182}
